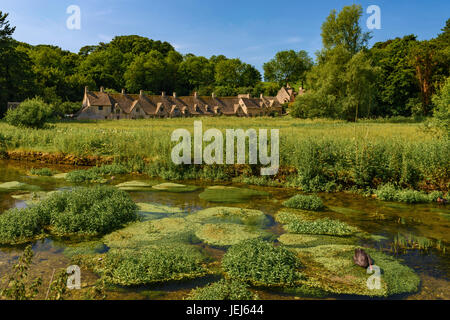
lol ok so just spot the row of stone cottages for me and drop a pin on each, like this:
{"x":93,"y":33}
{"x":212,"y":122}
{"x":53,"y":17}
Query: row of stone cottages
{"x":102,"y":105}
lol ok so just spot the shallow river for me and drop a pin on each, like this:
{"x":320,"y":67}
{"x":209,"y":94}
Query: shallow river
{"x":387,"y":220}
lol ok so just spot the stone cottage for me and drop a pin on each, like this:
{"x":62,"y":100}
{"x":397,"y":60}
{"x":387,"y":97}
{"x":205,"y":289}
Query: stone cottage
{"x":103,"y":105}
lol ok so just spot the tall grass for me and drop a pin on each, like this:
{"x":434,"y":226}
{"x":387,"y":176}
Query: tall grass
{"x":327,"y":155}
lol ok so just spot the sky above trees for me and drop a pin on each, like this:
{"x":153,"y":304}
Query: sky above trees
{"x":251,"y":30}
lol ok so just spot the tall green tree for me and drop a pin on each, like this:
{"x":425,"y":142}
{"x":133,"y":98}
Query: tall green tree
{"x":341,"y":84}
{"x":343,"y":29}
{"x":147,"y":72}
{"x":196,"y":72}
{"x":16,"y":75}
{"x":288,"y":66}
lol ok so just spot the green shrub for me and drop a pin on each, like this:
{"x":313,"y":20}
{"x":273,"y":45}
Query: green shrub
{"x":312,"y":203}
{"x":223,"y":290}
{"x":32,"y":113}
{"x":320,"y":227}
{"x":44,"y":172}
{"x":22,"y":225}
{"x":89,"y":211}
{"x":260,"y":263}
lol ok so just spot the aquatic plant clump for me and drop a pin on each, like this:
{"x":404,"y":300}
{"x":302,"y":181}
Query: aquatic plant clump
{"x":80,"y":176}
{"x":89,"y":211}
{"x":262,"y":264}
{"x":152,"y":264}
{"x":174,"y":187}
{"x":230,"y":194}
{"x":300,"y":201}
{"x":21,"y":225}
{"x":96,"y":174}
{"x":44,"y":172}
{"x":389,"y":192}
{"x":331,"y":268}
{"x":324,"y":226}
{"x":227,"y":234}
{"x":223,"y":290}
{"x":231,"y":215}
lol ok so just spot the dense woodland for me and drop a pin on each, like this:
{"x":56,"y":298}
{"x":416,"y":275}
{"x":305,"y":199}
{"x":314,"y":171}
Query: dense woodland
{"x":347,"y":80}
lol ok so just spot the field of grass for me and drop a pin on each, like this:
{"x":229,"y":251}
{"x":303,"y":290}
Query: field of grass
{"x":325,"y":155}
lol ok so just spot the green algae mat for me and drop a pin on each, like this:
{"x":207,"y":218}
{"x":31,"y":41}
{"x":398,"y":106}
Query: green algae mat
{"x":228,"y":234}
{"x":135,"y":186}
{"x":151,"y":211}
{"x":17,"y":186}
{"x":174,"y":187}
{"x":231,"y":215}
{"x":230,"y":194}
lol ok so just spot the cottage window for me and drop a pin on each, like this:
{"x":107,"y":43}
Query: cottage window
{"x":138,"y":110}
{"x":100,"y":108}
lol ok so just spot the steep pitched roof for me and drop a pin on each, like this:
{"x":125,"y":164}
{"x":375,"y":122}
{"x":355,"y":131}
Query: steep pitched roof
{"x":99,"y":99}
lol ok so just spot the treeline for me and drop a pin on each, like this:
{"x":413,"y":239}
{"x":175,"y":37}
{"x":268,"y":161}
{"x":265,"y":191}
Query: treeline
{"x":398,"y":77}
{"x":130,"y":62}
{"x":348,"y":80}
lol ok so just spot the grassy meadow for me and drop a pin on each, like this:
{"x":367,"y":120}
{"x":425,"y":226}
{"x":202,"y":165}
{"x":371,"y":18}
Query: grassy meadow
{"x":316,"y":155}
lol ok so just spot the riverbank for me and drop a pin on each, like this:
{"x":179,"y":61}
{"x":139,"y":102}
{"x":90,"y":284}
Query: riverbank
{"x":315,"y":155}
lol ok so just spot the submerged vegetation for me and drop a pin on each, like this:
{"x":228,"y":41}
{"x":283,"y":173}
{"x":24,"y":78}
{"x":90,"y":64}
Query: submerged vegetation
{"x":223,"y":290}
{"x":230,"y":194}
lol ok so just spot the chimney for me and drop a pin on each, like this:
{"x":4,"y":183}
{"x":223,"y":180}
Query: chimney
{"x":195,"y":95}
{"x":213,"y":95}
{"x":261,"y":96}
{"x":141,"y":93}
{"x":174,"y":94}
{"x":86,"y":89}
{"x":123,"y":91}
{"x":163,"y":94}
{"x":101,"y":89}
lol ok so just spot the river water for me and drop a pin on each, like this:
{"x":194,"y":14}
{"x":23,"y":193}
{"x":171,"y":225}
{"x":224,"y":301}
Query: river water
{"x":384,"y":220}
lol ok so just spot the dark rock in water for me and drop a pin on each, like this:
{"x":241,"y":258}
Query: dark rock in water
{"x":441,"y":200}
{"x":362,"y":259}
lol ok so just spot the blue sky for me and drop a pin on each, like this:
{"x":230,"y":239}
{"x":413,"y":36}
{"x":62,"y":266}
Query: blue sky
{"x":247,"y":29}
